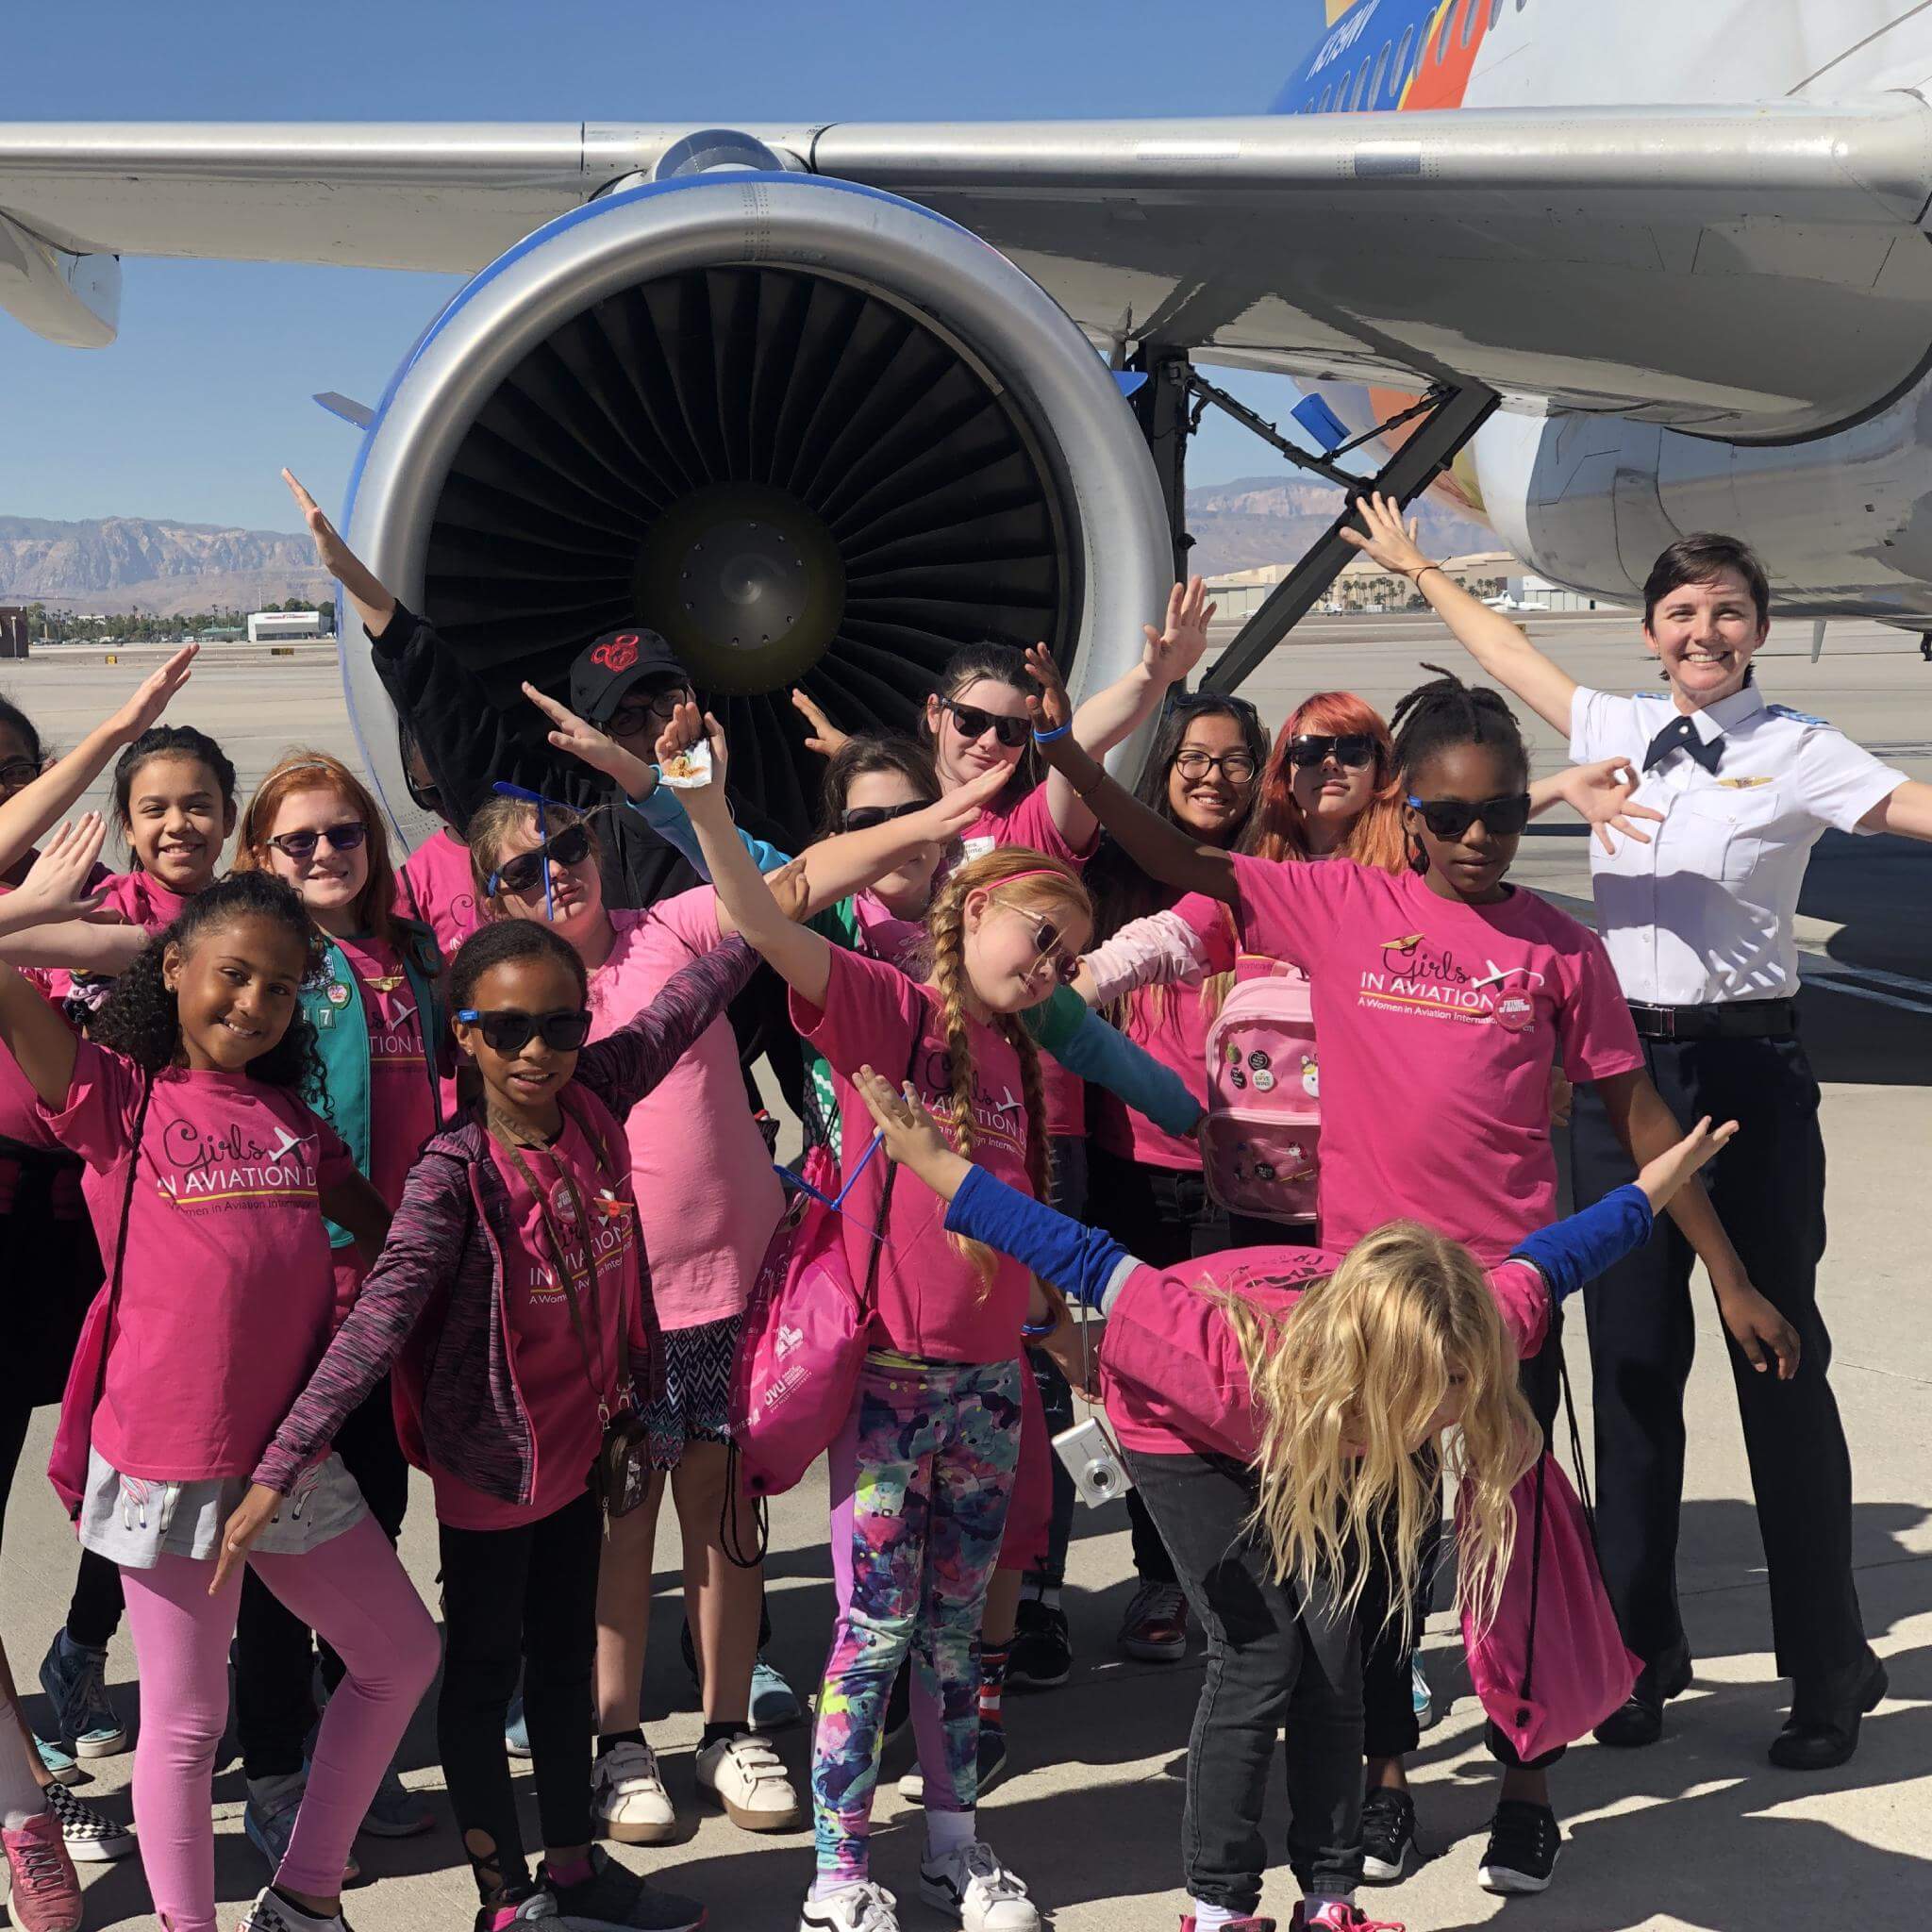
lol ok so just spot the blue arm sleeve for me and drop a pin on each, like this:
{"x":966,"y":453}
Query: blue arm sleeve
{"x":1106,"y":1056}
{"x":1569,"y":1252}
{"x":1078,"y":1260}
{"x":666,"y":816}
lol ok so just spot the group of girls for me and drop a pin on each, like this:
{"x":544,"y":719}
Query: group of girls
{"x":497,"y":1215}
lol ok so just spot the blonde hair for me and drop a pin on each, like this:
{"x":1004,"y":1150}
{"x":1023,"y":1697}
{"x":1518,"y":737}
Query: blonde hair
{"x":317,"y":771}
{"x":1347,"y":1384}
{"x":497,"y":821}
{"x":1013,"y":876}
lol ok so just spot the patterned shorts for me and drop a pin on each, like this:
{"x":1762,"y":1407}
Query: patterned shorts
{"x":695,"y":1406}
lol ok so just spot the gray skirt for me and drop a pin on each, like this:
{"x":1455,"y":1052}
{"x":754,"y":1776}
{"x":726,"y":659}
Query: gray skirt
{"x":133,"y":1522}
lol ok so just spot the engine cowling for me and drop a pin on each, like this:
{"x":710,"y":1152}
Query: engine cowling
{"x":811,"y":432}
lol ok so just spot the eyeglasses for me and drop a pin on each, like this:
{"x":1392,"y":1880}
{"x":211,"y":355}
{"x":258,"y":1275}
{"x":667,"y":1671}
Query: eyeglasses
{"x":973,"y":723}
{"x":1352,"y":749}
{"x":863,"y":818}
{"x":1046,"y":945}
{"x":633,"y":714}
{"x":509,"y":1033}
{"x":1450,"y":818}
{"x":300,"y":847}
{"x":571,"y":846}
{"x":15,"y":772}
{"x":1237,"y":767}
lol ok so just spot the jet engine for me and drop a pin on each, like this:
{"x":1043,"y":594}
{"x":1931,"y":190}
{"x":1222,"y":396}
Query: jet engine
{"x":813,"y":434}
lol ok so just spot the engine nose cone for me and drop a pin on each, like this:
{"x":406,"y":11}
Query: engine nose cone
{"x":745,"y":583}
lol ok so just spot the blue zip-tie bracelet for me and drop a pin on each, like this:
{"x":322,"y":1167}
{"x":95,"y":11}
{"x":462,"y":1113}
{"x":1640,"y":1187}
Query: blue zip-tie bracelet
{"x":1049,"y":737}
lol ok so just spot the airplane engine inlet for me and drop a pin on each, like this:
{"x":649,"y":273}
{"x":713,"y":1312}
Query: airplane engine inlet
{"x":807,"y":431}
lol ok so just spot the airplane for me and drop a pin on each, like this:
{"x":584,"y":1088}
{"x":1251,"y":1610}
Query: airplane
{"x":820,"y":401}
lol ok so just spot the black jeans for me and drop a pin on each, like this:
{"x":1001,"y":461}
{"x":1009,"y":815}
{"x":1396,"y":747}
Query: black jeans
{"x":1272,"y":1660}
{"x":1769,"y":1191}
{"x":1388,"y":1722}
{"x":275,"y":1653}
{"x":1163,"y":1216}
{"x":509,"y":1596}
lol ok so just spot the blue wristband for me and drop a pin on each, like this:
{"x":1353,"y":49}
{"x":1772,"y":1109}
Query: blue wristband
{"x":1040,"y":1333}
{"x":1049,"y":737}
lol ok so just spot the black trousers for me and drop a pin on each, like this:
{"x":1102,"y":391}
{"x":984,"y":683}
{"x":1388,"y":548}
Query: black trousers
{"x":1769,"y":1191}
{"x":528,"y":1597}
{"x":1164,"y":1216}
{"x":1272,"y":1660}
{"x":275,"y":1651}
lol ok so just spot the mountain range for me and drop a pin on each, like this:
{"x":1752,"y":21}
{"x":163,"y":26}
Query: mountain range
{"x":155,"y":564}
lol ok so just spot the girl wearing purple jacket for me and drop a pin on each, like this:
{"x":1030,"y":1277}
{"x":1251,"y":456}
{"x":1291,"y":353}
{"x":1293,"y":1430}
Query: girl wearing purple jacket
{"x":509,"y":1299}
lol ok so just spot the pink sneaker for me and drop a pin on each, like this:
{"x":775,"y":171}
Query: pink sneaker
{"x":1339,"y":1919}
{"x":47,"y":1894}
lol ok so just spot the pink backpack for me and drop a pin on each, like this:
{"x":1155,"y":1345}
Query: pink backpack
{"x":803,"y":1339}
{"x":1261,"y":1142}
{"x":1552,"y":1665}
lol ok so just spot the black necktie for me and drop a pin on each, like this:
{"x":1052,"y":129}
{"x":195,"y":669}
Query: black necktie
{"x":1680,"y":734}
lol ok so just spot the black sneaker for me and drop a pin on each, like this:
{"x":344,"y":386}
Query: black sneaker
{"x":1042,"y":1653}
{"x":615,"y":1895}
{"x":1524,"y":1839}
{"x":1388,"y":1835}
{"x":992,"y":1766}
{"x":525,"y":1904}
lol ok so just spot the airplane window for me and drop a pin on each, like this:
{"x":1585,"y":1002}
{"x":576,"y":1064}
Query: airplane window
{"x":1443,"y":38}
{"x":1495,"y":13}
{"x":1382,"y":73}
{"x":1402,"y":58}
{"x":1323,"y":107}
{"x":1469,"y":9}
{"x":1362,"y":86}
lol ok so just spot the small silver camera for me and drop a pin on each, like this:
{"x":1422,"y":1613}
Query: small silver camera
{"x":1092,"y":1461}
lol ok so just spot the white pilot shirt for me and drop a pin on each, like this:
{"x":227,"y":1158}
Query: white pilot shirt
{"x":1703,"y":913}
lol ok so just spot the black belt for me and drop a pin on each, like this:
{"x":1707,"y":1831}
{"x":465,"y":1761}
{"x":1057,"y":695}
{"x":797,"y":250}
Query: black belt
{"x":1733,"y":1020}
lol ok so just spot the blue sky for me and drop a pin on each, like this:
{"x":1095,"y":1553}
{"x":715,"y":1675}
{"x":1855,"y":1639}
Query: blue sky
{"x":193,"y":413}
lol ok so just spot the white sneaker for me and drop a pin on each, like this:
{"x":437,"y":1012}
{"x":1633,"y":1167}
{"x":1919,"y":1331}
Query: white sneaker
{"x":273,"y":1913}
{"x":744,"y":1775}
{"x":629,"y":1799}
{"x":858,"y":1907}
{"x":971,"y":1885}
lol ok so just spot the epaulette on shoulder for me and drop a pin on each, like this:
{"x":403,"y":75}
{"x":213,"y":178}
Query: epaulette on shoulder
{"x":1799,"y":717}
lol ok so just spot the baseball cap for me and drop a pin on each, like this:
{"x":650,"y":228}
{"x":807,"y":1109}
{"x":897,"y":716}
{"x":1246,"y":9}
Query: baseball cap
{"x":602,"y":672}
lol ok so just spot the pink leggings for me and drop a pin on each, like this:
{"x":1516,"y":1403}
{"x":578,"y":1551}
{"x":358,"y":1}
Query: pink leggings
{"x":351,"y":1591}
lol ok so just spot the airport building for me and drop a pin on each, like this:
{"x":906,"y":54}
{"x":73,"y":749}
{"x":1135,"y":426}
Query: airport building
{"x":282,"y":626}
{"x":1363,"y":586}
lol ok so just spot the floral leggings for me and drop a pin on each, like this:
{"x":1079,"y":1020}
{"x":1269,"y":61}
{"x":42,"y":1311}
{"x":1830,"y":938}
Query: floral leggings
{"x":920,"y":1477}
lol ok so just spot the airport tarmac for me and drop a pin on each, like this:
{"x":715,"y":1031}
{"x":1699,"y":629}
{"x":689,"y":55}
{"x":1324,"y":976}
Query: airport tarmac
{"x":1699,"y":1832}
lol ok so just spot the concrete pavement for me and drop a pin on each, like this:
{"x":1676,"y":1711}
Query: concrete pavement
{"x":1699,"y":1832}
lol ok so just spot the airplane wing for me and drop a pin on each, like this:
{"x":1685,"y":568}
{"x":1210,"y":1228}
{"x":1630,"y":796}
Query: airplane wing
{"x":1756,"y":274}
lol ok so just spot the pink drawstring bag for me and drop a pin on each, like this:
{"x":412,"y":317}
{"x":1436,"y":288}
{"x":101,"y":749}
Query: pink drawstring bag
{"x":1553,"y":1664}
{"x":803,"y":1335}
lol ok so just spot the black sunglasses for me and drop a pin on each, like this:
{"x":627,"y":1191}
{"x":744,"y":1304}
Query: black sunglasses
{"x":863,"y":818}
{"x":343,"y":838}
{"x":1311,"y":748}
{"x":1450,"y":818}
{"x":509,"y":1033}
{"x":973,"y":723}
{"x":18,"y":772}
{"x":571,"y":846}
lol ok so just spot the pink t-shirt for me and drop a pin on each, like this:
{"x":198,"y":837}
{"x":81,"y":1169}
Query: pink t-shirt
{"x":547,"y":1360}
{"x":401,"y":1114}
{"x":1439,"y":1023}
{"x":931,"y":1304}
{"x":227,"y":1296}
{"x":436,"y":886}
{"x":706,"y":1196}
{"x":1171,"y":1372}
{"x":1030,"y":824}
{"x":142,"y":900}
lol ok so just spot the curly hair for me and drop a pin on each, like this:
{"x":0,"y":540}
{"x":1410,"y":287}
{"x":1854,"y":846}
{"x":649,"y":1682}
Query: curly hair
{"x":141,"y":1017}
{"x":501,"y":940}
{"x":1348,"y":1384}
